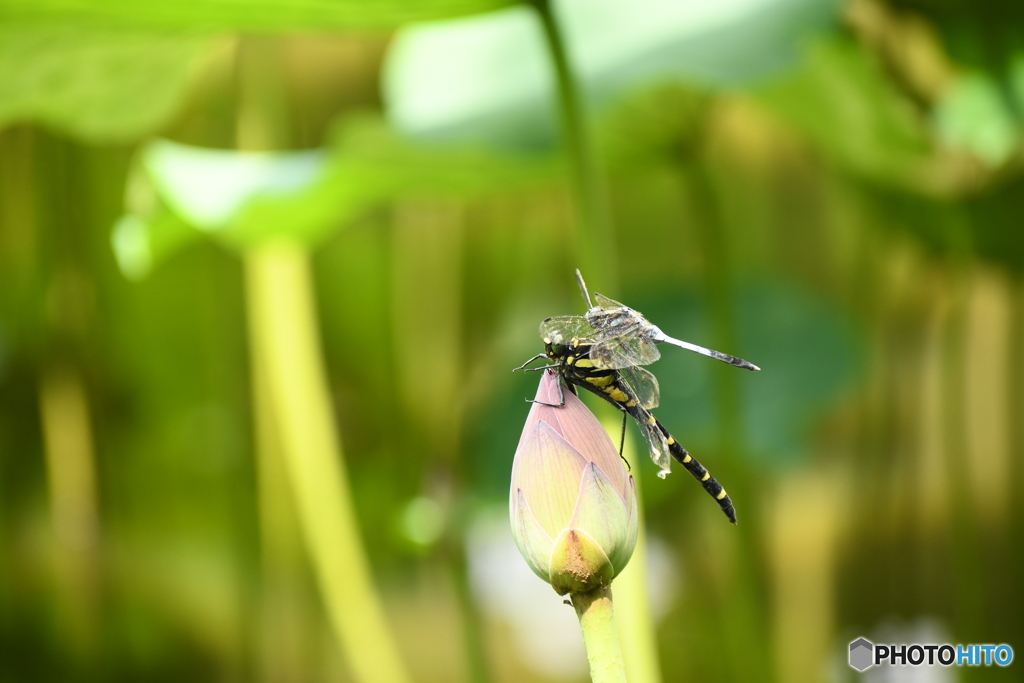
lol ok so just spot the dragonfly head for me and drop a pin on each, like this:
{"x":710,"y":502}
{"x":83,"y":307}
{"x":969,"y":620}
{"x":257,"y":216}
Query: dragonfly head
{"x":556,"y":347}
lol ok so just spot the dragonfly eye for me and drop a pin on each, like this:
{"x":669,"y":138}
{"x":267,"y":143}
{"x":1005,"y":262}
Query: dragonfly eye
{"x":554,"y":349}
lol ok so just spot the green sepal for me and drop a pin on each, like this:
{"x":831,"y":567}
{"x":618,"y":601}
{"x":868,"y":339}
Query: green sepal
{"x":578,"y":564}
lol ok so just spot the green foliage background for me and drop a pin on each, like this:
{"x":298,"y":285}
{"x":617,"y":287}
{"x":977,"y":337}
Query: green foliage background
{"x":832,"y":191}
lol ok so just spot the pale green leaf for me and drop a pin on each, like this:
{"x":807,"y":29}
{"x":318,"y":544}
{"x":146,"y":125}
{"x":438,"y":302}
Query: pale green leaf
{"x":262,"y":15}
{"x":210,"y":187}
{"x":141,"y":243}
{"x":840,"y":99}
{"x":245,"y":198}
{"x":489,"y":78}
{"x":99,"y":84}
{"x":973,"y":115}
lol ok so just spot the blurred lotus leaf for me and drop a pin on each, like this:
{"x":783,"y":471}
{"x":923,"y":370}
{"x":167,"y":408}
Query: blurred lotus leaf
{"x":488,"y":78}
{"x":243,"y":198}
{"x":808,"y":353}
{"x":208,"y":188}
{"x":974,"y":115}
{"x":814,"y":353}
{"x":659,"y":125}
{"x":116,"y":70}
{"x":99,"y":84}
{"x":226,"y":15}
{"x":1017,"y":80}
{"x":140,"y":243}
{"x":840,"y":99}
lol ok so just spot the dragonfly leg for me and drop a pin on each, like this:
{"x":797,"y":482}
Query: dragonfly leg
{"x":523,"y":366}
{"x":561,"y":398}
{"x":622,"y":443}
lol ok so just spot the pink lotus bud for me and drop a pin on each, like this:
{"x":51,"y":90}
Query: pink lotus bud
{"x":572,"y":503}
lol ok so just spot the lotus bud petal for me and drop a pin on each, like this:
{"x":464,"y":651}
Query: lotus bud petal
{"x":572,"y":504}
{"x":600,"y":510}
{"x":534,"y":543}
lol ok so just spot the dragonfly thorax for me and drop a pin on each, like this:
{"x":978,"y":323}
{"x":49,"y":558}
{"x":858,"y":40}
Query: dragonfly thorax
{"x":605,"y":318}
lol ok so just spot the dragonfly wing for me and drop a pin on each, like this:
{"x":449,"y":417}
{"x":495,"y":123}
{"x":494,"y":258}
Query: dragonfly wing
{"x":613,"y":321}
{"x":624,"y":351}
{"x":604,"y":302}
{"x":565,"y":328}
{"x":644,"y":350}
{"x":644,"y":386}
{"x":656,"y":444}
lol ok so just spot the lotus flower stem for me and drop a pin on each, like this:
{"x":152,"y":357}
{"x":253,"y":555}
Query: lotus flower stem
{"x":295,"y":404}
{"x":597,"y":620}
{"x":636,"y":625}
{"x":595,"y":227}
{"x":284,"y":335}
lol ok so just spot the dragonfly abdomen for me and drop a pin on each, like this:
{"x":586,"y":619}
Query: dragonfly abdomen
{"x":700,"y":473}
{"x":606,"y":383}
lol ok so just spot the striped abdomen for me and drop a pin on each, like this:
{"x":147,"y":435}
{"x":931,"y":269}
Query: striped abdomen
{"x":700,"y":473}
{"x":608,"y":385}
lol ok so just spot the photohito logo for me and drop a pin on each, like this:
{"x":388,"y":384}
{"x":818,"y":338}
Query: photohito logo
{"x":864,"y":654}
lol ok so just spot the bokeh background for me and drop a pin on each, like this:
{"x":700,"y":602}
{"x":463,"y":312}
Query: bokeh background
{"x":377,"y":197}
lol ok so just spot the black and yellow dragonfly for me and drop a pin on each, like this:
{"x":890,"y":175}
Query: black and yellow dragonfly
{"x":602,"y":352}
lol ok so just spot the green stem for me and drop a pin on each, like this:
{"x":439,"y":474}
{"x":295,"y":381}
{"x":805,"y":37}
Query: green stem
{"x":45,"y":202}
{"x":71,"y":475}
{"x":597,"y":620}
{"x":284,"y":626}
{"x":969,"y":593}
{"x":284,"y":336}
{"x":595,"y":243}
{"x":636,"y":625}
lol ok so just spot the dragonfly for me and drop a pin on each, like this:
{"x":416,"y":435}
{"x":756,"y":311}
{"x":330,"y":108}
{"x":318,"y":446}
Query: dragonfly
{"x":602,"y":352}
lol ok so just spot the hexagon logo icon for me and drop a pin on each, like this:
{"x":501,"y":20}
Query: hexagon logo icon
{"x":861,"y":651}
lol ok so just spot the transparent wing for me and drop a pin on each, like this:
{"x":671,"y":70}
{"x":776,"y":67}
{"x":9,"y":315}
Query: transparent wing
{"x":583,"y":288}
{"x":644,"y":386}
{"x":614,"y":321}
{"x":624,"y":351}
{"x":610,"y":317}
{"x":566,"y":328}
{"x":656,"y":444}
{"x":604,"y":302}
